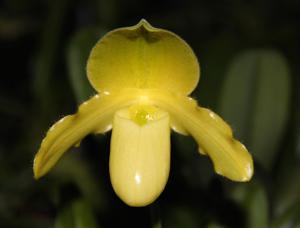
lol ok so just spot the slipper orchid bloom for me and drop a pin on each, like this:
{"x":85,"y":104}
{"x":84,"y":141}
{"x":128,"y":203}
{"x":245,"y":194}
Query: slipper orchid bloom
{"x":143,"y":76}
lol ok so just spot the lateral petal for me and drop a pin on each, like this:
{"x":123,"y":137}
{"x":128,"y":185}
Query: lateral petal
{"x":213,"y":135}
{"x":93,"y":116}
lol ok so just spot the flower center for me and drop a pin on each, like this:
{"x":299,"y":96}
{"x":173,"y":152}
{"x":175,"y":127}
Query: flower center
{"x":143,"y":114}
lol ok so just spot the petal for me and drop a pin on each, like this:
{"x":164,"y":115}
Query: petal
{"x":93,"y":116}
{"x":143,"y":57}
{"x":214,"y":136}
{"x":140,"y":156}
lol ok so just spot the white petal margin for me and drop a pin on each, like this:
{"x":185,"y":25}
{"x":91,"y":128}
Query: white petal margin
{"x":139,"y":157}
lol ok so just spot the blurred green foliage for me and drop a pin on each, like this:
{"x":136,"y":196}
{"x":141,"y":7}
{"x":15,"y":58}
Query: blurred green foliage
{"x":258,"y":85}
{"x":79,"y":48}
{"x":249,"y":57}
{"x":77,"y":215}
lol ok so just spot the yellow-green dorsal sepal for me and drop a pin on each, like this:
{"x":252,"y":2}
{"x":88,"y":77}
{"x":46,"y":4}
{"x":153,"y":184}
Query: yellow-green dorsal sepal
{"x":143,"y":57}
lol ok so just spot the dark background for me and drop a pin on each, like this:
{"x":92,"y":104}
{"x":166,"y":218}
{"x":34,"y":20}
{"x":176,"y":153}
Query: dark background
{"x":248,"y":51}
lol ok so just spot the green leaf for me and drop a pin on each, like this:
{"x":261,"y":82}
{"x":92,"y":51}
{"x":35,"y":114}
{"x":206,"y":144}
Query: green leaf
{"x":287,"y":174}
{"x":255,"y":101}
{"x":83,"y":215}
{"x":288,"y":187}
{"x":72,"y":168}
{"x":214,"y":225}
{"x":64,"y":219}
{"x":253,"y":199}
{"x":77,"y":55}
{"x":46,"y":60}
{"x":297,"y":124}
{"x":78,"y":214}
{"x":290,"y":218}
{"x":181,"y":216}
{"x":193,"y":166}
{"x":216,"y":52}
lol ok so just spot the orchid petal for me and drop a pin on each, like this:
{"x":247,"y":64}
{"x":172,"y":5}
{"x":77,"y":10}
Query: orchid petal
{"x":213,"y":135}
{"x":140,"y":155}
{"x":143,"y":57}
{"x":93,"y":116}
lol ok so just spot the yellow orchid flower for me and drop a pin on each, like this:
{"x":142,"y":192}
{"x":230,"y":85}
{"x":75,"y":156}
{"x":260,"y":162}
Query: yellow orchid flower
{"x":143,"y":76}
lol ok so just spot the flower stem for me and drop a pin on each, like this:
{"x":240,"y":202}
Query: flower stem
{"x":155,"y":215}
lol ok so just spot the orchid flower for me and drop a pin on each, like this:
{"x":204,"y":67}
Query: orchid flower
{"x":143,"y":76}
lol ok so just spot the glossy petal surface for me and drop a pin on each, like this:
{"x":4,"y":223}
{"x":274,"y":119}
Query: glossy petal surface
{"x":93,"y":116}
{"x":230,"y":157}
{"x":140,"y":157}
{"x":143,"y":57}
